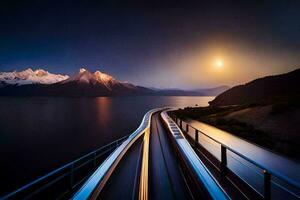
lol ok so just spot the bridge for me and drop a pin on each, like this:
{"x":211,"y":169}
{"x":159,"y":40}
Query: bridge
{"x":165,"y":158}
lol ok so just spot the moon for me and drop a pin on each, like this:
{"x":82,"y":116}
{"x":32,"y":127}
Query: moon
{"x":219,"y":64}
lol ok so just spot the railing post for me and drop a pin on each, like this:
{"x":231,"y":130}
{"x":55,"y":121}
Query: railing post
{"x":72,"y":176}
{"x":187,"y":128}
{"x":196,"y":137}
{"x":223,"y":160}
{"x":267,"y":185}
{"x":180,"y":124}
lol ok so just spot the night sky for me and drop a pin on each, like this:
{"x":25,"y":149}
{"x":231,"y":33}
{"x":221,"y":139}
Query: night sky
{"x":166,"y":45}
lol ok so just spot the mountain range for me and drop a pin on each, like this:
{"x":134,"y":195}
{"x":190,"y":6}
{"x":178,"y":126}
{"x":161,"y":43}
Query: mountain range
{"x":270,"y":89}
{"x":83,"y":83}
{"x":197,"y":92}
{"x":29,"y":76}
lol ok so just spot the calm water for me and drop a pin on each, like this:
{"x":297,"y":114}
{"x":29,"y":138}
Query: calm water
{"x":39,"y":134}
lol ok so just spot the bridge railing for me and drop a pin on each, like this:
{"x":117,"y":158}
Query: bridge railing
{"x":200,"y":174}
{"x":269,"y":177}
{"x":95,"y":183}
{"x":61,"y":183}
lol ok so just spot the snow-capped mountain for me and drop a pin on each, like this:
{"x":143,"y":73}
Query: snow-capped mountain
{"x":29,"y":76}
{"x":99,"y":79}
{"x":86,"y":83}
{"x":82,"y":77}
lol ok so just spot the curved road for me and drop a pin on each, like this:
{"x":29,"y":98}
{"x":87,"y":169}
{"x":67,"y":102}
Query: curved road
{"x":165,"y":177}
{"x":124,"y":181}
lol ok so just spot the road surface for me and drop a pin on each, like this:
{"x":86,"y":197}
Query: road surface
{"x":165,"y":177}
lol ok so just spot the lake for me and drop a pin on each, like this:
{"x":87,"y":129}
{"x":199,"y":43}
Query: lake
{"x":38,"y":134}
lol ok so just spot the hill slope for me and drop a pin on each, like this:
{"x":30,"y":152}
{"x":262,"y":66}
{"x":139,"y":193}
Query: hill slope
{"x":284,"y":87}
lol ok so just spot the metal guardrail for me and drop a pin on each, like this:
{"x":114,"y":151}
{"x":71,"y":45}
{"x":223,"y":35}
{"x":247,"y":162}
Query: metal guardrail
{"x":203,"y":175}
{"x":66,"y":177}
{"x":93,"y":186}
{"x":267,"y":173}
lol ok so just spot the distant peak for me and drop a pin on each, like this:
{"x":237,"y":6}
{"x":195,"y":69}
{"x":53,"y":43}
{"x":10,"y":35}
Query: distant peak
{"x":28,"y":70}
{"x":81,"y":70}
{"x":40,"y":72}
{"x":98,"y":73}
{"x":102,"y":76}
